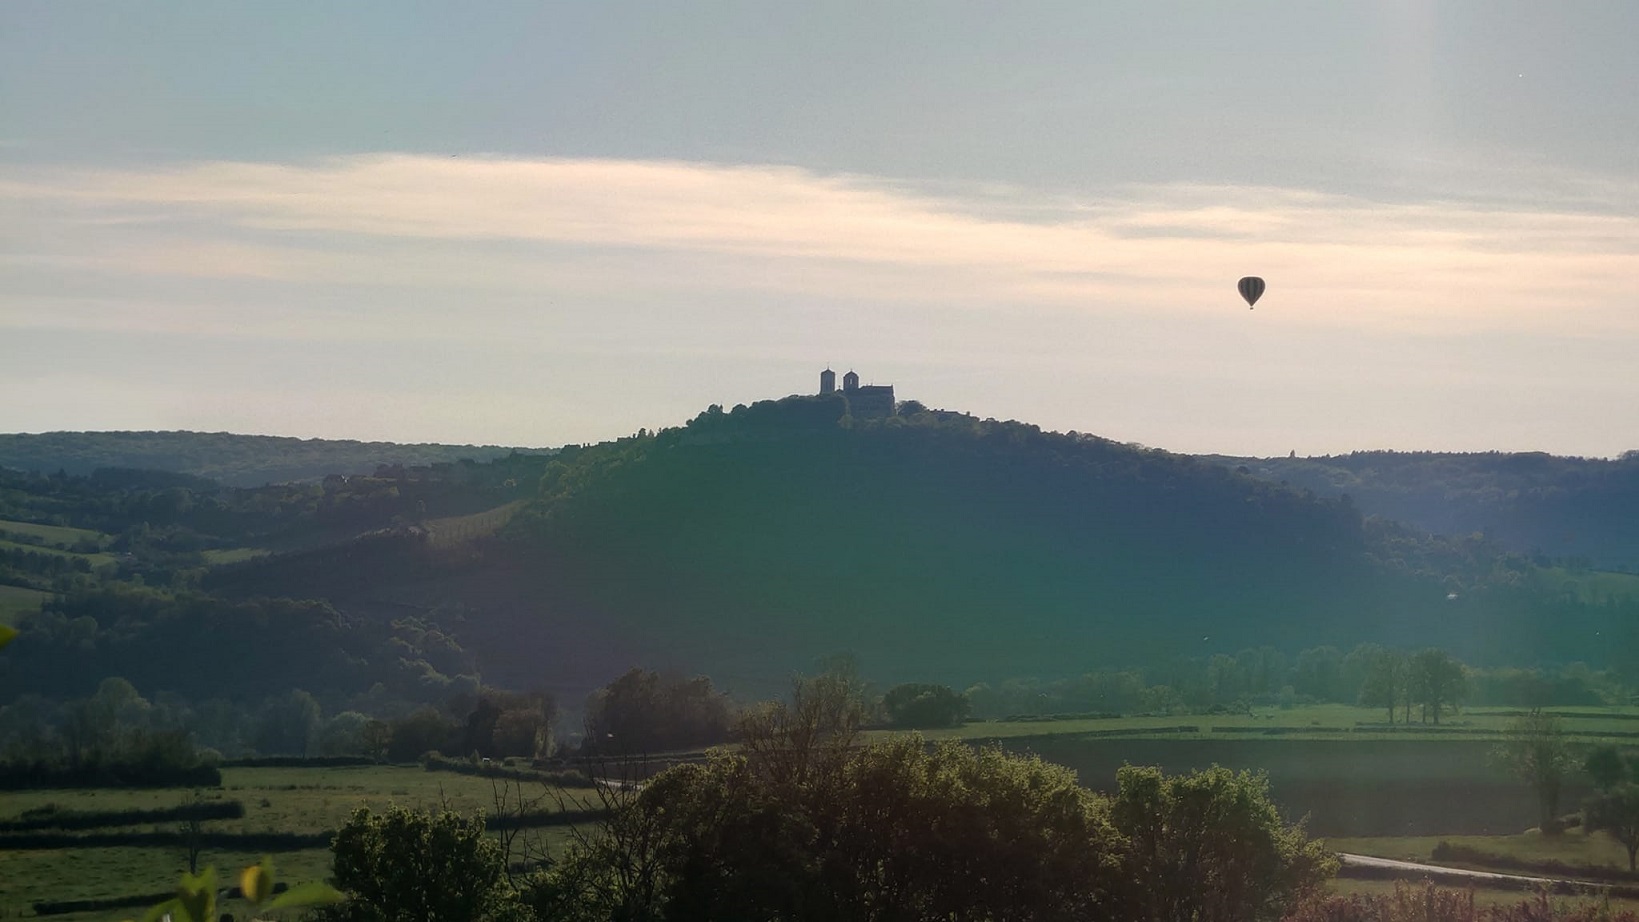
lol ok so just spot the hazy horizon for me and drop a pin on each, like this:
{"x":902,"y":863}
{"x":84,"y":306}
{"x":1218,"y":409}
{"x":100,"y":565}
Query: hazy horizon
{"x":553,"y":224}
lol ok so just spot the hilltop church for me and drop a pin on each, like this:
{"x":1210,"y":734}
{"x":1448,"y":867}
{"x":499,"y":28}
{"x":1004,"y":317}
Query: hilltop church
{"x":873,"y":401}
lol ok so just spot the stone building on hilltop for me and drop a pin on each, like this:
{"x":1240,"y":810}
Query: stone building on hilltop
{"x":872,"y":401}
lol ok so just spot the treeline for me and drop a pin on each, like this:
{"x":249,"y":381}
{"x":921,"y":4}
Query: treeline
{"x":33,"y":569}
{"x":118,"y":736}
{"x":54,"y":817}
{"x":236,"y":460}
{"x":1429,"y":681}
{"x":202,"y":647}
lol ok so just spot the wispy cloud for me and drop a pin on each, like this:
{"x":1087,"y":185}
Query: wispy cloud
{"x":605,"y":225}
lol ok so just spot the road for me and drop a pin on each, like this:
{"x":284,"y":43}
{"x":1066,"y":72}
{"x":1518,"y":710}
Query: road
{"x":1435,"y":870}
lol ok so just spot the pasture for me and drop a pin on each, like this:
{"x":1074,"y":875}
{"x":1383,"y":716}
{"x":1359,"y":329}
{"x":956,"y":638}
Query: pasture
{"x":60,"y":536}
{"x":276,"y":800}
{"x":219,"y":556}
{"x":15,"y":600}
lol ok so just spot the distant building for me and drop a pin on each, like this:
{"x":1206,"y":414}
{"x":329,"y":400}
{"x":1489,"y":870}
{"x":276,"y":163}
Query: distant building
{"x":872,"y":401}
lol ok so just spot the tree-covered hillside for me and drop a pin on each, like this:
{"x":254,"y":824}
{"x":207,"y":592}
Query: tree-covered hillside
{"x":1580,"y":509}
{"x":236,"y":460}
{"x":939,"y":546}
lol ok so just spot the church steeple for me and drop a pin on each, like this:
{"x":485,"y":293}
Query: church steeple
{"x":828,"y":381}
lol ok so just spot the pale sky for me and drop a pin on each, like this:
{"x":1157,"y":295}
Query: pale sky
{"x":537,"y":223}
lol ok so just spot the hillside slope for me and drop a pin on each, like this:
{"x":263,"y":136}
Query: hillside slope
{"x":1528,"y":502}
{"x":936,"y":546}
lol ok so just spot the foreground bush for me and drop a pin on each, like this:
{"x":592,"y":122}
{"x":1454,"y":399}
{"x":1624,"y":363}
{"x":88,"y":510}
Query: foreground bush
{"x":414,"y":866}
{"x":803,"y":824}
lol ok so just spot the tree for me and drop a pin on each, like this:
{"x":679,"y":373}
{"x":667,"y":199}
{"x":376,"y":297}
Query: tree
{"x":414,"y":866}
{"x":192,"y":830}
{"x":919,"y":706}
{"x":1437,"y":680}
{"x":376,"y":736}
{"x":424,"y":731}
{"x":642,"y":712}
{"x":1536,"y":751}
{"x":1211,"y":846}
{"x":1318,"y":674}
{"x":1384,"y":679}
{"x":1616,"y":811}
{"x":1609,"y":767}
{"x":289,"y":725}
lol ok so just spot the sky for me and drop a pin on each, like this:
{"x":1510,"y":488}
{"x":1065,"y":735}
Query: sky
{"x":549,"y":223}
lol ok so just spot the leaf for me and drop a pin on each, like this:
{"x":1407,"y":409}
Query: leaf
{"x":7,"y":635}
{"x":196,"y":897}
{"x":256,"y":881}
{"x":304,"y":895}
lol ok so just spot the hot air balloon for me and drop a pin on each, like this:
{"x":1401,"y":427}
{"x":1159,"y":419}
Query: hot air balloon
{"x":1251,"y":289}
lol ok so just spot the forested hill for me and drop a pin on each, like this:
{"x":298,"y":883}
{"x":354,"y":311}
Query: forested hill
{"x":1532,"y":503}
{"x":235,"y":460}
{"x":939,"y":546}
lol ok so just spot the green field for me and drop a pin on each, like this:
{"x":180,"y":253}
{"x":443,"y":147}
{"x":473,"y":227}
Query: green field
{"x":1326,"y":721}
{"x":1335,"y":764}
{"x":15,"y":601}
{"x":302,"y":800}
{"x":219,"y":556}
{"x":57,"y":535}
{"x":96,"y":560}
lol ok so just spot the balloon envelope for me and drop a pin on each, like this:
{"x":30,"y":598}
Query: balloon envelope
{"x":1251,"y":289}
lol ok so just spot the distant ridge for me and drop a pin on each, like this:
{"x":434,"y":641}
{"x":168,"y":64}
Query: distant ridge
{"x":1580,"y":510}
{"x":235,"y":460}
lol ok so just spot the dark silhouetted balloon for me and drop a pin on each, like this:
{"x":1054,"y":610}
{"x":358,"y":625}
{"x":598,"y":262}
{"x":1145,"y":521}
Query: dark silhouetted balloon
{"x":1251,"y":289}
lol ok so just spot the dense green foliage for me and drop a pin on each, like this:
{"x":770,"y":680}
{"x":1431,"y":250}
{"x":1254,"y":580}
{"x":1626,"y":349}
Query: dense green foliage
{"x":1614,"y":806}
{"x":237,"y":460}
{"x":1211,"y":845}
{"x":959,"y":548}
{"x":204,"y":647}
{"x":1537,"y":751}
{"x":412,"y":866}
{"x":642,"y":712}
{"x":1530,"y":502}
{"x":919,"y":705}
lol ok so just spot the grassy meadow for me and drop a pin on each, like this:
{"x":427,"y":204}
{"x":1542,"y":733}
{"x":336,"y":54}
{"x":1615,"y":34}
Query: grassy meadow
{"x":55,"y":535}
{"x":299,"y":800}
{"x":16,"y":600}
